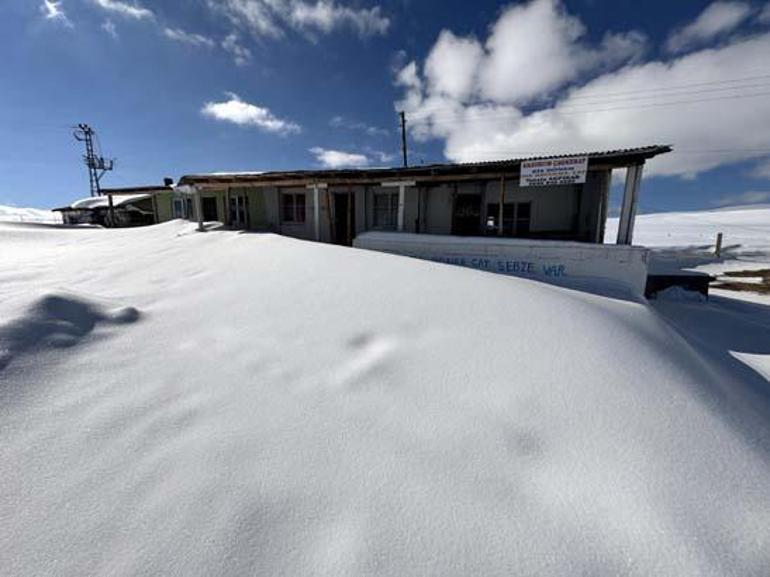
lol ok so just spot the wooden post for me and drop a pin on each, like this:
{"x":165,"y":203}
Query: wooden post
{"x":630,"y":202}
{"x":112,"y":210}
{"x":199,"y":209}
{"x":350,"y":216}
{"x":329,"y":215}
{"x":501,"y":209}
{"x":718,"y":250}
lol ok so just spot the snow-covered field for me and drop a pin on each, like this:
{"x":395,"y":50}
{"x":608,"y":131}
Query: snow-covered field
{"x":16,"y":214}
{"x":182,"y":403}
{"x":745,"y":229}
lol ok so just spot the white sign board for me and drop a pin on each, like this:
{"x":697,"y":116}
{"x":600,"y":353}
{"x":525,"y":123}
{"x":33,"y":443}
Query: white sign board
{"x":554,"y":171}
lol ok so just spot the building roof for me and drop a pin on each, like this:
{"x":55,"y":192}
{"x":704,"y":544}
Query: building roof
{"x":597,"y":160}
{"x":96,"y":202}
{"x":150,"y":189}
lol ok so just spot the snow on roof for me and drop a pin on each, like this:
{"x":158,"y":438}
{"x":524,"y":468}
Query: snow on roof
{"x":95,"y":202}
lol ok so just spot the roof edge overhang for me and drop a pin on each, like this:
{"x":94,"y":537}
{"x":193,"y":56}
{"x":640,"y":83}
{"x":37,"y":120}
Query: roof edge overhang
{"x":430,"y":173}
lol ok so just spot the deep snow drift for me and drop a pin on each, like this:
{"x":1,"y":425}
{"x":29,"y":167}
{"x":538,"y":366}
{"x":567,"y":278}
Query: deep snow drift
{"x":182,"y":403}
{"x":746,"y":229}
{"x":17,"y":214}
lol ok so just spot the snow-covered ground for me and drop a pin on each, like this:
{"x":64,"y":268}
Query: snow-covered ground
{"x":223,"y":403}
{"x":16,"y":214}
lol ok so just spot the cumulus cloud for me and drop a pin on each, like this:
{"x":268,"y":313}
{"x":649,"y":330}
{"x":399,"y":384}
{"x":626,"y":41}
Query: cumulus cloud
{"x":339,"y":159}
{"x":707,"y":103}
{"x":749,"y":197}
{"x":241,"y":55}
{"x":269,"y":18}
{"x":536,"y":47}
{"x":236,"y":111}
{"x":717,"y":18}
{"x":54,"y":11}
{"x":125,"y":9}
{"x":191,"y":38}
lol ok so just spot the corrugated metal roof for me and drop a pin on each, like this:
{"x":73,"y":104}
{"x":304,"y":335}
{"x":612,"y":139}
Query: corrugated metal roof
{"x":614,"y":158}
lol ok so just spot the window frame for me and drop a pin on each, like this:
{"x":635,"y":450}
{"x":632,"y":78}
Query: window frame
{"x":389,"y":211}
{"x":292,"y":211}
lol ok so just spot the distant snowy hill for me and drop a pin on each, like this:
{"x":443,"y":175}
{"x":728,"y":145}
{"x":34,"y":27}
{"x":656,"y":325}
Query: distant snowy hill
{"x":745,"y":229}
{"x":182,"y":403}
{"x":16,"y":214}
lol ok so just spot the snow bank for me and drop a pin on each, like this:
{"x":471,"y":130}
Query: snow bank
{"x":745,"y":229}
{"x":228,"y":404}
{"x":16,"y":214}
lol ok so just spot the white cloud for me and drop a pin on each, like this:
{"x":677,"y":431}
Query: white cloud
{"x":327,"y":15}
{"x":241,"y":55}
{"x":536,"y":47}
{"x":179,"y":35}
{"x":339,"y":159}
{"x":53,"y":11}
{"x":109,"y":27}
{"x":269,"y":18}
{"x":452,"y":64}
{"x":348,"y":124}
{"x":717,"y":18}
{"x":700,"y":102}
{"x":749,"y":197}
{"x":236,"y":111}
{"x":125,"y":9}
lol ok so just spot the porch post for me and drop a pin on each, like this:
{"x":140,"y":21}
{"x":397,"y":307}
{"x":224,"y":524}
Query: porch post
{"x":199,"y":208}
{"x":630,"y":202}
{"x":317,"y":207}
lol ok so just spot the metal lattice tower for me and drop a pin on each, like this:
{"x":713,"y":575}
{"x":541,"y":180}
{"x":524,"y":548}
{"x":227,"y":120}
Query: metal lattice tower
{"x":97,"y":164}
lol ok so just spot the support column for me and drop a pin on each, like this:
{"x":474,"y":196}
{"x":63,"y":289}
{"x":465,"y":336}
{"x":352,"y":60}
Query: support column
{"x":199,"y":208}
{"x":317,"y":187}
{"x":630,"y":202}
{"x":501,"y":208}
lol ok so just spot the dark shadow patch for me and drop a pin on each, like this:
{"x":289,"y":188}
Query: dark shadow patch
{"x":716,"y":330}
{"x":57,"y":321}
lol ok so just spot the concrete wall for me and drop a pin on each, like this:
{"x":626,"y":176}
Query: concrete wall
{"x":164,"y":209}
{"x":610,"y":269}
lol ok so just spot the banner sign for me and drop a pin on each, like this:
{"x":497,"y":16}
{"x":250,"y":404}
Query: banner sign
{"x":554,"y":171}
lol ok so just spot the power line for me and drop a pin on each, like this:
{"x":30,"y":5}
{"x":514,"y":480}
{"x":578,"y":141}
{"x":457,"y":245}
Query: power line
{"x":497,"y":114}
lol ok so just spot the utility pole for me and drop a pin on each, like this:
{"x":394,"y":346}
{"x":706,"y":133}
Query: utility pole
{"x":403,"y":137}
{"x":96,"y":164}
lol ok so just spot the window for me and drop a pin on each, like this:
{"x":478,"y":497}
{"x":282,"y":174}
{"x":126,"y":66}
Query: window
{"x":178,"y":208}
{"x":516,"y":218}
{"x":386,"y":210}
{"x":293,"y":207}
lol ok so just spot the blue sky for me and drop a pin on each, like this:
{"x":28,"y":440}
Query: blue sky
{"x":183,"y":86}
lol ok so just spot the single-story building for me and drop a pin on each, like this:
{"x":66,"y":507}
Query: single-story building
{"x":516,"y":198}
{"x":116,"y":208}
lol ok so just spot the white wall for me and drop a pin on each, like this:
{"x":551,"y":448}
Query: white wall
{"x":606,"y":268}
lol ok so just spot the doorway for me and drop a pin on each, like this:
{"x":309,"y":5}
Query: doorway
{"x":344,"y":218}
{"x":239,"y":211}
{"x":209,"y":208}
{"x":466,"y":215}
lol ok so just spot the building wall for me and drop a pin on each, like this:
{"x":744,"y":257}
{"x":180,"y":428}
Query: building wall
{"x":576,"y":212}
{"x":164,"y":210}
